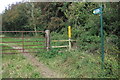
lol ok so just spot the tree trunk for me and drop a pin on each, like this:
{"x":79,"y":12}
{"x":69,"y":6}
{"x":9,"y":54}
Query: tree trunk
{"x":33,"y":18}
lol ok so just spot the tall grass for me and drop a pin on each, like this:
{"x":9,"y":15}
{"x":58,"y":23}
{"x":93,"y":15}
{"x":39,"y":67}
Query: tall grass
{"x":76,"y":64}
{"x":16,"y":66}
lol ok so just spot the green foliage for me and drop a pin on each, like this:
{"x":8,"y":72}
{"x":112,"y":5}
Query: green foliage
{"x":77,"y":64}
{"x":14,"y":18}
{"x":112,"y":45}
{"x":50,"y":54}
{"x":57,"y":16}
{"x":111,"y":19}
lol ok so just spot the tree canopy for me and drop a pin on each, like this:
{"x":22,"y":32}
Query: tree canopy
{"x":57,"y":16}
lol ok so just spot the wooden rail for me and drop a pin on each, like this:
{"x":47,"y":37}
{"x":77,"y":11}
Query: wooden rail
{"x":62,"y":40}
{"x":60,"y":46}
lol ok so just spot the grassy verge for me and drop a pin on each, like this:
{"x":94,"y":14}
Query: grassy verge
{"x":16,"y":66}
{"x":76,"y":64}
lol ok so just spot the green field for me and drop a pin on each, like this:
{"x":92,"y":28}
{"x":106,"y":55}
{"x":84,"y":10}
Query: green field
{"x":24,"y":43}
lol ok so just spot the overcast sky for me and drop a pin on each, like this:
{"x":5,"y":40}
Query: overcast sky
{"x":5,"y":3}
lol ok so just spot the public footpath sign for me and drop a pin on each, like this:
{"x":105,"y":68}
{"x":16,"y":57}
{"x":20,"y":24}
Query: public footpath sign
{"x":97,"y":11}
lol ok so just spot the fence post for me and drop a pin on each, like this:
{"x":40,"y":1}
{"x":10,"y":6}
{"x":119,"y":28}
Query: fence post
{"x":69,"y":44}
{"x":23,"y":42}
{"x":47,"y":39}
{"x":69,"y":35}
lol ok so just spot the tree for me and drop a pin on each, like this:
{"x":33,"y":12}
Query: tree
{"x":14,"y":17}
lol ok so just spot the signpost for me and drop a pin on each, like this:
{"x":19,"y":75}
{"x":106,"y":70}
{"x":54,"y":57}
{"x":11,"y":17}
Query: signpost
{"x":99,"y":11}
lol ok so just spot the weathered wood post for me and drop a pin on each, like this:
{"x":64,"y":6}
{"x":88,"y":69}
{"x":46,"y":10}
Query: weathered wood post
{"x":47,"y":39}
{"x":69,"y":44}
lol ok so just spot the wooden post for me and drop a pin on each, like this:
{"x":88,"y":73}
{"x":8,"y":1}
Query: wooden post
{"x":23,"y":42}
{"x":69,"y":35}
{"x":69,"y":43}
{"x":47,"y":39}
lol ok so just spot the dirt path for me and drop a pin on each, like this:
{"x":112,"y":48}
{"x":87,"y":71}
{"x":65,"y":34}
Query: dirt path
{"x":44,"y":71}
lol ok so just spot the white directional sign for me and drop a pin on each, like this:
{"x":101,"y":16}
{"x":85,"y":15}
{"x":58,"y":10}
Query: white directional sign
{"x":97,"y":11}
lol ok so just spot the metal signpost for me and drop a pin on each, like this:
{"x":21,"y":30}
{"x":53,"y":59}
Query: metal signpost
{"x":99,"y":11}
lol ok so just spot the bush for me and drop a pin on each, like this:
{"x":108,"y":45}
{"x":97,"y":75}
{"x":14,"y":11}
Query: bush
{"x":89,"y":43}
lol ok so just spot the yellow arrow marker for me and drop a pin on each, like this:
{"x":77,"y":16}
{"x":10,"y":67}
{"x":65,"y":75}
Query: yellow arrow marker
{"x":69,"y":31}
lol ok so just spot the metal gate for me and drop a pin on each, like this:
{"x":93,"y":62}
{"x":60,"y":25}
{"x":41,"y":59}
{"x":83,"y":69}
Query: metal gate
{"x":22,"y":41}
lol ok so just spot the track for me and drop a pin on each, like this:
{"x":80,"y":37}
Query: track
{"x":44,"y":70}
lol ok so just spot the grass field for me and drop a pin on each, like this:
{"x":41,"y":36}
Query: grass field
{"x":27,"y":45}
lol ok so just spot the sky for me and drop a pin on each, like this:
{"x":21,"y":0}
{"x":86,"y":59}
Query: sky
{"x":5,"y":3}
